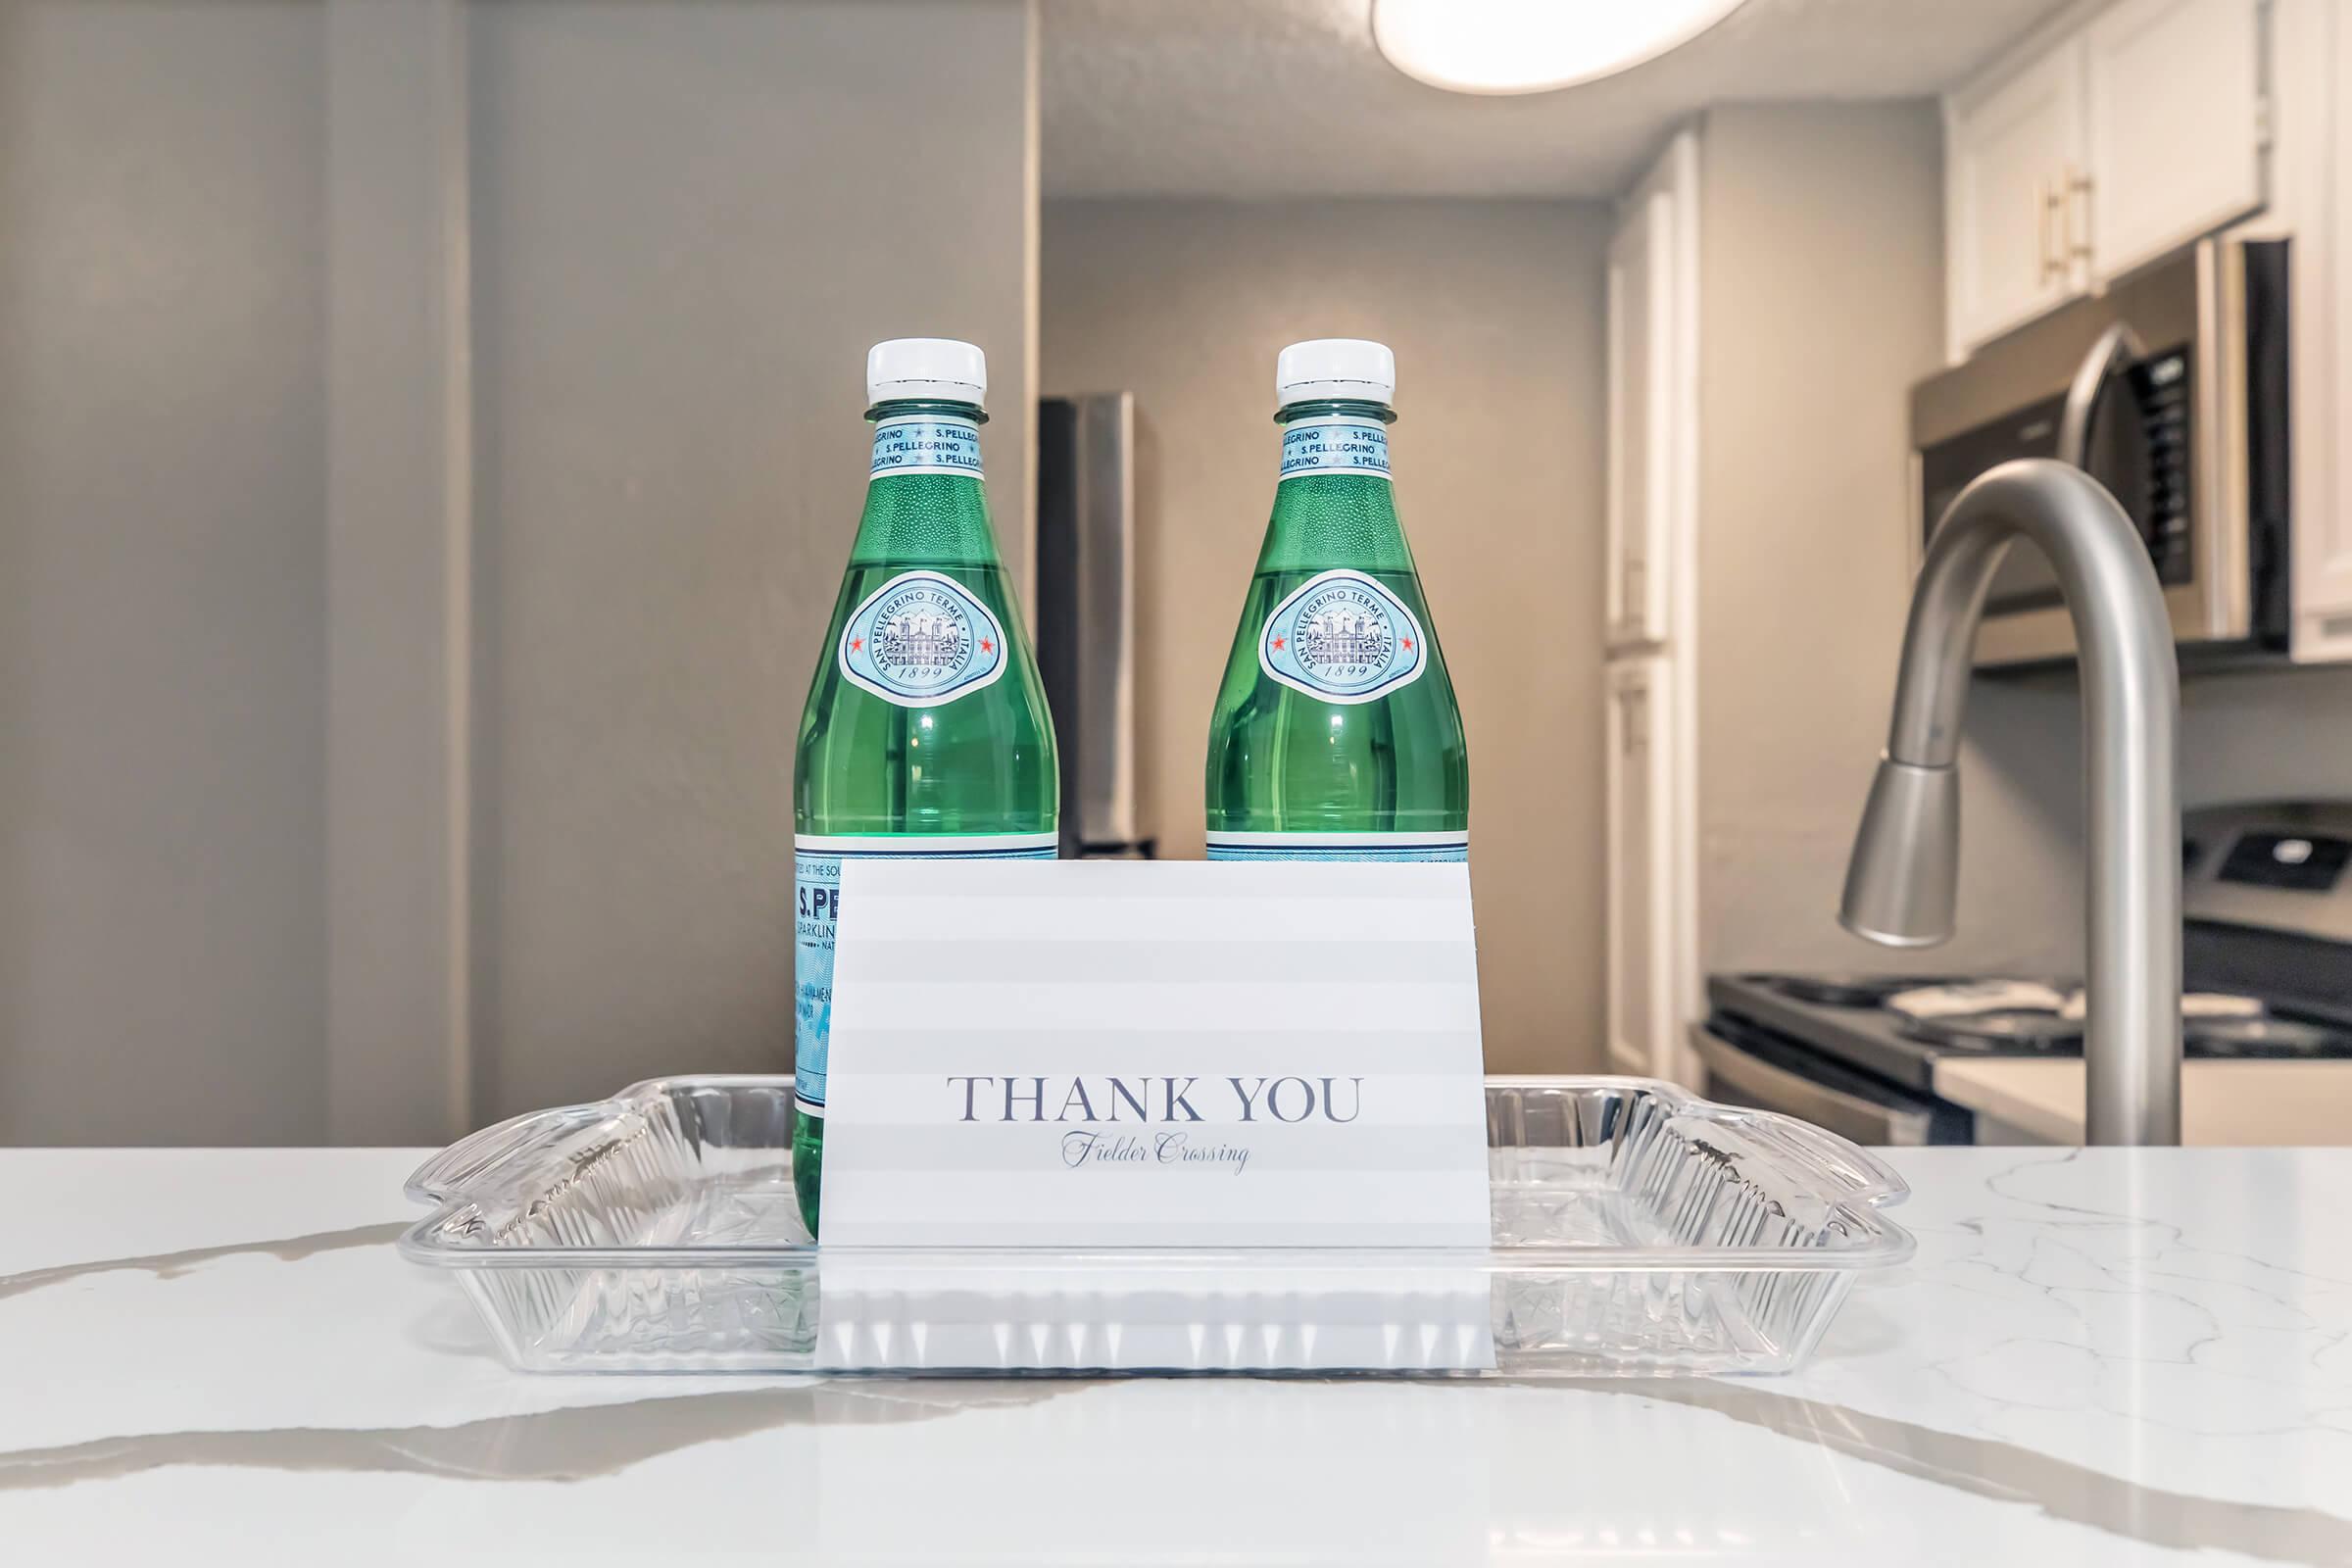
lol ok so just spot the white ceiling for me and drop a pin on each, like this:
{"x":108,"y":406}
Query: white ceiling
{"x":1272,"y":98}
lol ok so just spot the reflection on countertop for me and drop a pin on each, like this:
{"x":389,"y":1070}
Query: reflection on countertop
{"x":2104,"y":1357}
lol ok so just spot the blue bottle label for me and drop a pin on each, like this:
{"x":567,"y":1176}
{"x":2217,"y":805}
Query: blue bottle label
{"x":922,"y":639}
{"x":1343,"y":638}
{"x":926,"y":443}
{"x":816,"y":898}
{"x":1336,"y":443}
{"x":1424,"y":847}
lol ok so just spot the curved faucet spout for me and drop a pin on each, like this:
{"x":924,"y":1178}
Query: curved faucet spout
{"x":1902,"y":881}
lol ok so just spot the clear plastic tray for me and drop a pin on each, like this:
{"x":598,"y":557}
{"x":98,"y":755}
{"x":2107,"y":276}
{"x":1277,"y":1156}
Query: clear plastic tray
{"x":1638,"y":1230}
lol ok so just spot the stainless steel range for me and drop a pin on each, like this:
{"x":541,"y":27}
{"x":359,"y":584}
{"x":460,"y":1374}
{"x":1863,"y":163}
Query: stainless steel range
{"x":2267,"y":952}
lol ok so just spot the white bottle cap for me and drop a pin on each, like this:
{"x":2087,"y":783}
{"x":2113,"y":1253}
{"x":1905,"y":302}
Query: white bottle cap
{"x":926,"y":368}
{"x":1335,"y":367}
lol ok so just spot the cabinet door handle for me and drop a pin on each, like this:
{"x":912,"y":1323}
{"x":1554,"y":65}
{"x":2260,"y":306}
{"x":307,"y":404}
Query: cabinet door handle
{"x":2048,"y":200}
{"x":2077,"y":194}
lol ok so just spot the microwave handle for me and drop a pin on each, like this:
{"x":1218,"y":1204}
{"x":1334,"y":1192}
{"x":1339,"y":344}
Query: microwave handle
{"x":2118,"y":349}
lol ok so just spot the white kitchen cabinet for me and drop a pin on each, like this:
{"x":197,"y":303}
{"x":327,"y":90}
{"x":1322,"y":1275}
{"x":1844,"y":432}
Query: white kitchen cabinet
{"x":2313,"y":202}
{"x":2174,"y":127}
{"x":2014,"y":151}
{"x":2097,"y":150}
{"x":1651,"y":397}
{"x":1642,"y":1018}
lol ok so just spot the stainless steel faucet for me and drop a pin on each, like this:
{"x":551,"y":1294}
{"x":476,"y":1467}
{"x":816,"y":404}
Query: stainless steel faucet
{"x":1901,"y":884}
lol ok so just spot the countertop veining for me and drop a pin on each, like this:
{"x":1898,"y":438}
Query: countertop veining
{"x":2112,"y":1357}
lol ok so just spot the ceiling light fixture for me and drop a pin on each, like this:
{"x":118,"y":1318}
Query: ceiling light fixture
{"x":1508,"y":46}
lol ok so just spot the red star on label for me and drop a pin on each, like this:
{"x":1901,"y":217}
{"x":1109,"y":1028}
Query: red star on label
{"x":1408,"y":641}
{"x":856,"y":643}
{"x":1279,"y":641}
{"x":987,"y":647}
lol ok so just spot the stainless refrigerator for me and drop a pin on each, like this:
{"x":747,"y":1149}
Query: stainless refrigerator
{"x":1086,"y":616}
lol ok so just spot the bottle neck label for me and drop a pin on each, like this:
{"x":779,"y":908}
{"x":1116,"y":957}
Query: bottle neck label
{"x":1342,"y":637}
{"x":1334,"y":443}
{"x":926,"y":443}
{"x":922,"y":639}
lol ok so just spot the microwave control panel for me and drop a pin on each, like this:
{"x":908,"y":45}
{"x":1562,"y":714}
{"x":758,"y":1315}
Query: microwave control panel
{"x":2161,"y":387}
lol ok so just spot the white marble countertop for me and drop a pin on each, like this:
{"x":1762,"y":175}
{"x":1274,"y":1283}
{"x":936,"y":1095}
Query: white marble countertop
{"x":2101,"y":1357}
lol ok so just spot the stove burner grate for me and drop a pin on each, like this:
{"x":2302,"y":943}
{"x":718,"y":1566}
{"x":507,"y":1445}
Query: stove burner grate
{"x":2011,"y":1029}
{"x":2264,"y":1037}
{"x":1848,"y":990}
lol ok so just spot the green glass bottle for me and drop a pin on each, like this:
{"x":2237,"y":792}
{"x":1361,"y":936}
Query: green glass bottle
{"x":1336,"y":734}
{"x":926,"y":731}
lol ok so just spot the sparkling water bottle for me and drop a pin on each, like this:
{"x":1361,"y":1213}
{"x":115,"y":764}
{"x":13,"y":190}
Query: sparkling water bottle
{"x":926,"y":731}
{"x":1335,"y":735}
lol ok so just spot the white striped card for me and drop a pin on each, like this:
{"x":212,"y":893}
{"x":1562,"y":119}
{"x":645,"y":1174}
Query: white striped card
{"x":1123,"y":1054}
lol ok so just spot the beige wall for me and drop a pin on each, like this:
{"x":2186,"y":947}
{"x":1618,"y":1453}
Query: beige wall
{"x":690,"y":227}
{"x":685,"y":227}
{"x":1822,"y":299}
{"x":1494,"y":311}
{"x":162,"y":623}
{"x":2272,"y":735}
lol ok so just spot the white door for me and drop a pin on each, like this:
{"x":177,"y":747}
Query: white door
{"x":2014,"y":149}
{"x":2172,"y":113}
{"x":1649,"y":423}
{"x":1641,"y":1013}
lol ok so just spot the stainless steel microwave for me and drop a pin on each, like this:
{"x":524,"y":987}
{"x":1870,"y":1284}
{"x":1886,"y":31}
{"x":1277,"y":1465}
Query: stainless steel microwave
{"x":2171,"y":389}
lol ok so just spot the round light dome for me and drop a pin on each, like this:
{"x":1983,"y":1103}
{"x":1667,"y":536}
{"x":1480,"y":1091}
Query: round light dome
{"x":1505,"y":46}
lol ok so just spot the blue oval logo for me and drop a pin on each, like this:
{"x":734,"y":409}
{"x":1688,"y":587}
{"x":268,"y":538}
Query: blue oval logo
{"x":922,"y":639}
{"x":1343,"y":638}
